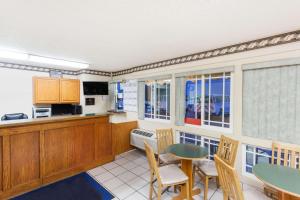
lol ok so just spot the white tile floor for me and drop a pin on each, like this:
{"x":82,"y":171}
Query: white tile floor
{"x":128,"y":178}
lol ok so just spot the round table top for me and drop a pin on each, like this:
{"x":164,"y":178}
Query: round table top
{"x":284,"y":179}
{"x":187,"y":151}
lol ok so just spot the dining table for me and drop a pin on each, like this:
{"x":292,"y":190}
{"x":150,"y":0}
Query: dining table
{"x":285,"y":180}
{"x":187,"y":153}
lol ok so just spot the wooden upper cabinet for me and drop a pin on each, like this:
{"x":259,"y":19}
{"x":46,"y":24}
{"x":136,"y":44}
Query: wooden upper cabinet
{"x":69,"y":91}
{"x":52,"y":90}
{"x":45,"y":90}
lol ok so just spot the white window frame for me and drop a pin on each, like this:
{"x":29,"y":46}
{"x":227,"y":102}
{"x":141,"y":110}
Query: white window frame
{"x":211,"y":127}
{"x":154,"y":102}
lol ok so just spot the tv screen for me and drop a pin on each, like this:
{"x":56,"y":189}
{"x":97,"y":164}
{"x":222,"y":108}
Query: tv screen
{"x":95,"y":88}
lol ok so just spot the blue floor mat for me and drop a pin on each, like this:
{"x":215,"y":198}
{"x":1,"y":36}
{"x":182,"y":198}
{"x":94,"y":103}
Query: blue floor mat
{"x":79,"y":187}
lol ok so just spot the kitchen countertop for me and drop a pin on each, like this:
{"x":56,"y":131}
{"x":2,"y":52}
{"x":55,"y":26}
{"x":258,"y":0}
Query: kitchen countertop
{"x":21,"y":122}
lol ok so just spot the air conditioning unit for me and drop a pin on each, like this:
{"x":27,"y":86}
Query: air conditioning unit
{"x":138,"y":136}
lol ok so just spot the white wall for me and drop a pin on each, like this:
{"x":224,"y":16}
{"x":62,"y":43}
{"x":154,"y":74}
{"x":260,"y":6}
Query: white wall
{"x":16,"y":91}
{"x":101,"y":102}
{"x":291,"y":50}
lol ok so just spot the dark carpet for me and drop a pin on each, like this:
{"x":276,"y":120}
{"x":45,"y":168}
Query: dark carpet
{"x":79,"y":187}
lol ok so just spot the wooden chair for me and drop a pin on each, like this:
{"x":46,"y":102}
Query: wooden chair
{"x":289,"y":156}
{"x":229,"y":180}
{"x":206,"y":169}
{"x":168,"y":175}
{"x":165,"y":138}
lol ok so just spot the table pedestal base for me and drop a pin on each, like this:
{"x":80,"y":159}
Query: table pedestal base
{"x":182,"y":195}
{"x":187,"y":167}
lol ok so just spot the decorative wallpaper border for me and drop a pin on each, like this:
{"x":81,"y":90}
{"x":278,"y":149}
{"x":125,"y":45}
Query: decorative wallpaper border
{"x":237,"y":48}
{"x":47,"y":69}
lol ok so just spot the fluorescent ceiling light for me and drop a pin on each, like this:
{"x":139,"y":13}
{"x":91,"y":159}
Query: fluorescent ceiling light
{"x":13,"y":55}
{"x":41,"y":59}
{"x":58,"y":62}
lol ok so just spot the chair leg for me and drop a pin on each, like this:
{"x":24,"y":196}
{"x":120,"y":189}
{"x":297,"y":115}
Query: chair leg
{"x":225,"y":196}
{"x":159,"y":192}
{"x":151,"y":187}
{"x":187,"y":190}
{"x":205,"y":187}
{"x":217,"y":182}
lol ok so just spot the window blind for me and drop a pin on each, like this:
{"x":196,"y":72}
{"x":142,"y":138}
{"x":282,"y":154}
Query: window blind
{"x":141,"y":100}
{"x":271,"y":102}
{"x":112,"y":94}
{"x":180,"y":101}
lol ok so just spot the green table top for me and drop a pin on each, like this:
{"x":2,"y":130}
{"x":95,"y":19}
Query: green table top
{"x":285,"y":179}
{"x":187,"y":151}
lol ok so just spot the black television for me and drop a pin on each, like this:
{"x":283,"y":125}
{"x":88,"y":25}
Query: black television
{"x":95,"y":88}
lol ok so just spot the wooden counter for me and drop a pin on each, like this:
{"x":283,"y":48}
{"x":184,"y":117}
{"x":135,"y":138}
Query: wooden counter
{"x":40,"y":151}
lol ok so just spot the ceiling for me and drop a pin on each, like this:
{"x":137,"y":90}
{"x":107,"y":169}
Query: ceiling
{"x":112,"y":35}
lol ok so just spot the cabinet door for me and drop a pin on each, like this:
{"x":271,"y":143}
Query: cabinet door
{"x":24,"y":158}
{"x":46,"y":90}
{"x":56,"y":149}
{"x":69,"y":91}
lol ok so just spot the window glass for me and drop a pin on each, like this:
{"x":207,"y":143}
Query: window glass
{"x":168,"y":100}
{"x":193,"y":101}
{"x":217,"y":100}
{"x":227,"y":102}
{"x":162,"y":95}
{"x":198,"y":101}
{"x":190,"y":99}
{"x":255,"y":155}
{"x":120,"y":96}
{"x":148,"y":101}
{"x":157,"y":99}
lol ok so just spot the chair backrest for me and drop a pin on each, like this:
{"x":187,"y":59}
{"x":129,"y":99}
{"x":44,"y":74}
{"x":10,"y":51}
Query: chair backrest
{"x":288,"y":155}
{"x":165,"y":138}
{"x":227,"y":150}
{"x":229,"y":180}
{"x":14,"y":116}
{"x":151,"y":160}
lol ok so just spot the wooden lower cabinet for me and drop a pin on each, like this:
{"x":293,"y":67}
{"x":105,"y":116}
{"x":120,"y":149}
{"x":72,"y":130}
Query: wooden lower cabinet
{"x":41,"y":154}
{"x":121,"y":134}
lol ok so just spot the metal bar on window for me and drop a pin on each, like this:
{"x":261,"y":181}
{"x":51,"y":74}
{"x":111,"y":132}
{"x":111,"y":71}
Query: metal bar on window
{"x":166,"y":100}
{"x":223,"y":100}
{"x":209,"y":93}
{"x":195,"y":100}
{"x":202,"y":99}
{"x":154,"y":99}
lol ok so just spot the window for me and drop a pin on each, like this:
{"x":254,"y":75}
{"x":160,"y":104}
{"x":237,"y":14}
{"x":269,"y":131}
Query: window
{"x":157,"y":99}
{"x":208,"y":100}
{"x":119,"y":96}
{"x":255,"y":155}
{"x":210,"y":143}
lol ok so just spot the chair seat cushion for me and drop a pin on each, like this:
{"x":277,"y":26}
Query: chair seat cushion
{"x":207,"y":167}
{"x":167,"y":158}
{"x":171,"y":174}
